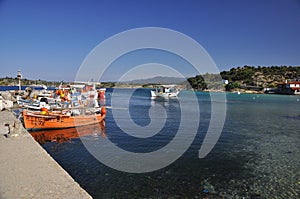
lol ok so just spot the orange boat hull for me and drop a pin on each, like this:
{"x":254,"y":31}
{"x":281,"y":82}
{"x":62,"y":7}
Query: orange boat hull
{"x":57,"y":121}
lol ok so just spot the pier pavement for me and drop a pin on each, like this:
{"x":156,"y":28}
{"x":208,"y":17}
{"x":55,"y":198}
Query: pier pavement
{"x":27,"y":170}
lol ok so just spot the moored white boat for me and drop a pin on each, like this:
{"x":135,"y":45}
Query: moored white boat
{"x":164,"y":92}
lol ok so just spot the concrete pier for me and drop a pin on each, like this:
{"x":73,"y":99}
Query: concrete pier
{"x":27,"y":170}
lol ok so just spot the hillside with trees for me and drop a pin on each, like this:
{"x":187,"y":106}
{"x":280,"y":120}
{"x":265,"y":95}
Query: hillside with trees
{"x":9,"y":81}
{"x":247,"y":77}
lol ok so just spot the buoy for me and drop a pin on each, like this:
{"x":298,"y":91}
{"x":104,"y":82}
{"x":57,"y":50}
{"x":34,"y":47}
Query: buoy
{"x":44,"y":111}
{"x":103,"y":110}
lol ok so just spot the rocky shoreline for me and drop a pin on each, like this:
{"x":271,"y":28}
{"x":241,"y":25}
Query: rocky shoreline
{"x":26,"y":169}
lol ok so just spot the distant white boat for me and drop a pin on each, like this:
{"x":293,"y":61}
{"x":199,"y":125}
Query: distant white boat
{"x":164,"y":92}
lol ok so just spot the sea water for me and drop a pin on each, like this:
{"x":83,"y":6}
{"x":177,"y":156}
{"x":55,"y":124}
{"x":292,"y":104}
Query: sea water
{"x":256,"y":156}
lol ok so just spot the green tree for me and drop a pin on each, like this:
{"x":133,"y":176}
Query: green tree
{"x":197,"y":83}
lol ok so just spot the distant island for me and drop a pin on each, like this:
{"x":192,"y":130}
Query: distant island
{"x":240,"y":78}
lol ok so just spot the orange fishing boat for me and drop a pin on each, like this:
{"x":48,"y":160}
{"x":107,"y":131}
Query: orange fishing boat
{"x":57,"y":120}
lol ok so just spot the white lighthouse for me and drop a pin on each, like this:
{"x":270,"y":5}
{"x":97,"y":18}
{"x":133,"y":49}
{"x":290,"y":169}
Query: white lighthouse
{"x":19,"y":76}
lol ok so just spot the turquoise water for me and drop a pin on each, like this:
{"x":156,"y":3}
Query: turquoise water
{"x":256,"y":156}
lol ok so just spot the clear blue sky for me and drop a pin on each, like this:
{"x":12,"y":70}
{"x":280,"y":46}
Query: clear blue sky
{"x":49,"y":39}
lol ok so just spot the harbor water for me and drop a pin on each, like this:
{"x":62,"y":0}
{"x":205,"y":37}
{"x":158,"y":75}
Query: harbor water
{"x":256,"y":156}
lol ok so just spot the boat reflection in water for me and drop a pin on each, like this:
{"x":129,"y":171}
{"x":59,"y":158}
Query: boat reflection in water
{"x":65,"y":135}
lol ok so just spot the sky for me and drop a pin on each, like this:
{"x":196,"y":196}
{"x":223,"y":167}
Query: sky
{"x":50,"y":39}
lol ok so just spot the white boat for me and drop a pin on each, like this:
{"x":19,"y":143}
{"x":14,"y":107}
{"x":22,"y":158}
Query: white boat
{"x":164,"y":92}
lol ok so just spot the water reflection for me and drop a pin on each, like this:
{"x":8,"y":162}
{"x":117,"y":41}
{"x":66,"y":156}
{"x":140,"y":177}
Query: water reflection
{"x":65,"y":135}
